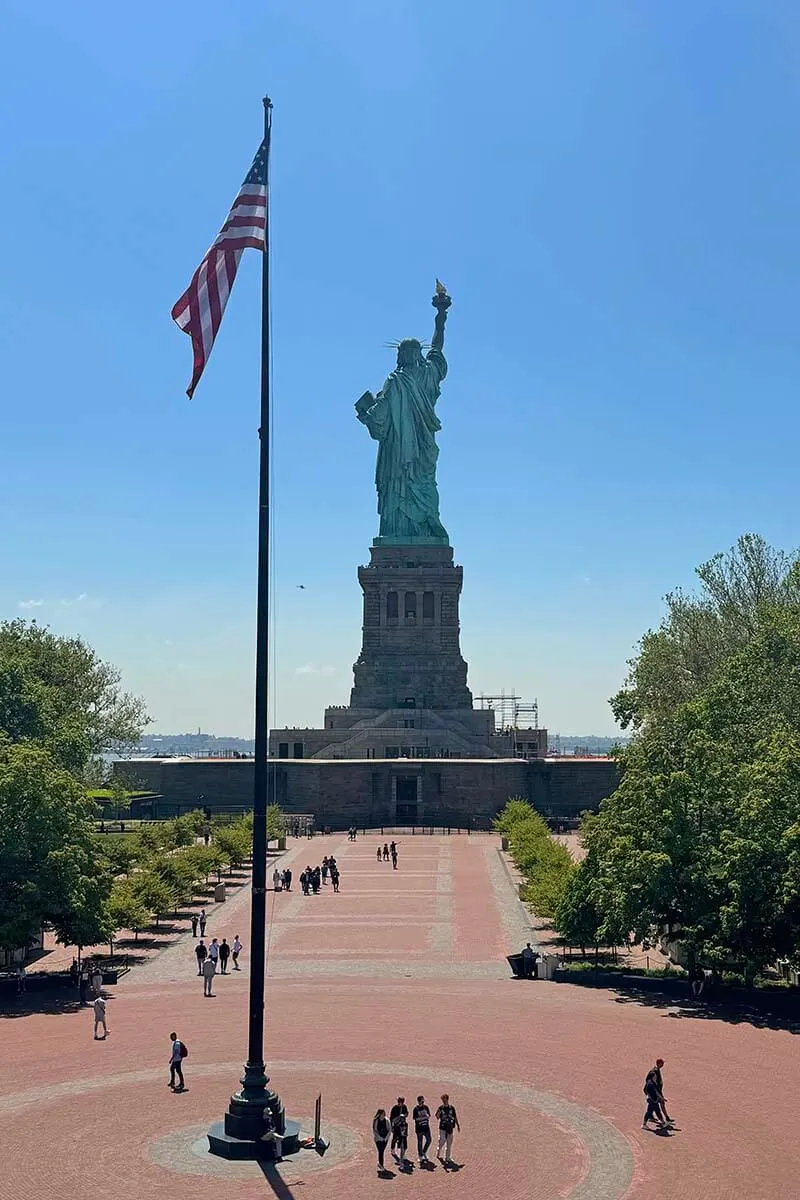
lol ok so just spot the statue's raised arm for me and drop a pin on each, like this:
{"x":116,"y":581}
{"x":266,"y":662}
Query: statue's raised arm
{"x":441,"y":302}
{"x":402,"y":418}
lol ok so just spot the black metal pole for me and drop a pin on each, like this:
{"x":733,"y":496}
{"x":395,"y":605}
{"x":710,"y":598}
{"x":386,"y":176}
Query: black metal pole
{"x":255,"y":1049}
{"x":255,"y":1110}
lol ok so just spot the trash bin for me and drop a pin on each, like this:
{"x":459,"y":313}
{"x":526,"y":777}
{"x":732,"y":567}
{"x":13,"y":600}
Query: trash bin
{"x":219,"y":893}
{"x":504,"y":842}
{"x":548,"y":964}
{"x":515,"y":962}
{"x":281,"y":843}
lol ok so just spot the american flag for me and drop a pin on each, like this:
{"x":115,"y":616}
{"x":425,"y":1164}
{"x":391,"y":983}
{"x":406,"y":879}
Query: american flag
{"x":200,"y":308}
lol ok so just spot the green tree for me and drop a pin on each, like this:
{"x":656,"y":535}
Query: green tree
{"x":701,"y":632}
{"x":700,"y":839}
{"x":120,"y":853}
{"x":234,"y":843}
{"x":576,"y":917}
{"x":276,"y":823}
{"x":50,"y":872}
{"x":126,"y":908}
{"x":56,"y":692}
{"x":155,"y":895}
{"x":514,"y":811}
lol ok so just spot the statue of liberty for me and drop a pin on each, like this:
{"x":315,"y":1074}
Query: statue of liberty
{"x":402,"y":418}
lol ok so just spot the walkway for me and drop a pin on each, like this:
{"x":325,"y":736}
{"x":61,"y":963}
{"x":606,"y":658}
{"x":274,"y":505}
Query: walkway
{"x":398,"y":985}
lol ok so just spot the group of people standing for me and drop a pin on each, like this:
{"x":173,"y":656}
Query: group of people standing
{"x":282,"y":880}
{"x":214,"y":956}
{"x":389,"y":851}
{"x":313,"y":878}
{"x":394,"y":1129}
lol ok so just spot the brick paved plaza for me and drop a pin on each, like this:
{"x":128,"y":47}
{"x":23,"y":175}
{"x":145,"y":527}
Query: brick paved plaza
{"x":398,"y":985}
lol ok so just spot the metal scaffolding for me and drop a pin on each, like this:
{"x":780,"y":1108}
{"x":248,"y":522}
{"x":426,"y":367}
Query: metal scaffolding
{"x":511,"y":711}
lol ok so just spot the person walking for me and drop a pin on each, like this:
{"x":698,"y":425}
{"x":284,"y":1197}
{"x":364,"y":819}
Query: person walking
{"x":201,"y":953}
{"x":209,"y":971}
{"x":22,"y":979}
{"x":422,"y":1128}
{"x":97,"y":980}
{"x":385,"y":852}
{"x":202,"y":922}
{"x":277,"y":881}
{"x":335,"y":878}
{"x":378,"y":854}
{"x":194,"y":925}
{"x":237,"y":950}
{"x":447,"y":1117}
{"x":380,"y":1132}
{"x":224,"y":953}
{"x":325,"y":869}
{"x":287,"y":879}
{"x":393,"y":850}
{"x":653,"y":1110}
{"x":100,"y":1018}
{"x":659,"y":1082}
{"x":213,"y":952}
{"x":176,"y":1057}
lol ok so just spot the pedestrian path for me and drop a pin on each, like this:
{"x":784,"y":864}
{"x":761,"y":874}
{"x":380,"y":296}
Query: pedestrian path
{"x":396,"y":986}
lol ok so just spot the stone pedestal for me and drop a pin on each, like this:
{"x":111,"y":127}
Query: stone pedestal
{"x":410,"y":655}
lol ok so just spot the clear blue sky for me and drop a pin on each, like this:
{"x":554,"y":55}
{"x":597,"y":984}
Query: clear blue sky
{"x":611,"y":193}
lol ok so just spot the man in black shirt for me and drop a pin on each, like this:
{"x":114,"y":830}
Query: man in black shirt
{"x":422,"y":1126}
{"x":448,"y":1122}
{"x":398,"y":1119}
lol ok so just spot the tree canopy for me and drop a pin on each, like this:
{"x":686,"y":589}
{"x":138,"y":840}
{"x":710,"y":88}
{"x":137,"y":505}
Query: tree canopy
{"x":701,"y":840}
{"x":50,"y":871}
{"x":57,"y":693}
{"x":700,"y":632}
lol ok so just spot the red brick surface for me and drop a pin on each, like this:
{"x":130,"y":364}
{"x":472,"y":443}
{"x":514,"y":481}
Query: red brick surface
{"x":364,"y":1006}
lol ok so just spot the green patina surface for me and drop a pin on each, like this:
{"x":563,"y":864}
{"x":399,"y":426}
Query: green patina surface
{"x":402,"y":419}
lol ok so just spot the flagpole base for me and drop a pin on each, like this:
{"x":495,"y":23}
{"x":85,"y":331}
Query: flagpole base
{"x":255,"y":1125}
{"x":266,"y":1148}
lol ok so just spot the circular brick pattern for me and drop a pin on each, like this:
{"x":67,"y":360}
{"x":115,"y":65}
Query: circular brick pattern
{"x":607,"y":1158}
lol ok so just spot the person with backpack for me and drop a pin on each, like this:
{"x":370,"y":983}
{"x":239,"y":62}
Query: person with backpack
{"x":448,"y":1122}
{"x":422,"y":1128}
{"x":380,"y":1132}
{"x":177,"y":1055}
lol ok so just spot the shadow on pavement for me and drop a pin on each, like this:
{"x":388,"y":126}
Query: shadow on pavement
{"x":50,"y":1001}
{"x":278,"y":1185}
{"x":736,"y":1006}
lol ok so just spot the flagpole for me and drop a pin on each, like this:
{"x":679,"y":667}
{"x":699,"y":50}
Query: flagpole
{"x":255,"y":1124}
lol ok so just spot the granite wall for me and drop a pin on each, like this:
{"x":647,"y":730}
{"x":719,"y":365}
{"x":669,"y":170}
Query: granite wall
{"x":368,"y":791}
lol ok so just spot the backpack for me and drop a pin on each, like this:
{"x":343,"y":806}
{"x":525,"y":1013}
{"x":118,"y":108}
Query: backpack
{"x":184,"y":1051}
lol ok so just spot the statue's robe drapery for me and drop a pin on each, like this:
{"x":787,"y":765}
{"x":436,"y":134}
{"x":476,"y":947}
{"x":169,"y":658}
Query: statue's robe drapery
{"x":403,"y":420}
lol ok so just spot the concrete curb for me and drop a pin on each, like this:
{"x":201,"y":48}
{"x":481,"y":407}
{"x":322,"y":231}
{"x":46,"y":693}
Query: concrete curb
{"x":525,"y":913}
